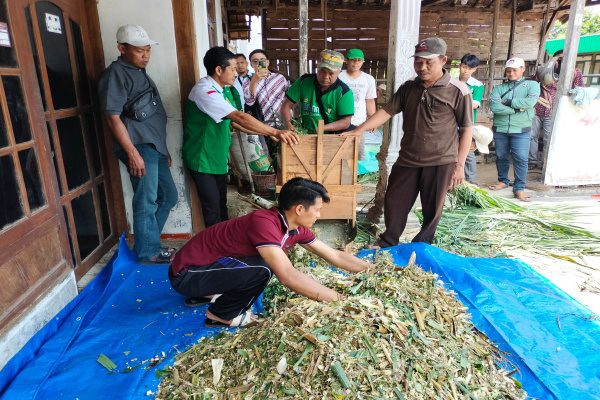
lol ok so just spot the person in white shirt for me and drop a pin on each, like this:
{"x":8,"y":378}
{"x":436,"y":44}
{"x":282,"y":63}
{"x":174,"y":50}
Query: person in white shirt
{"x":243,"y":74}
{"x":364,"y":90}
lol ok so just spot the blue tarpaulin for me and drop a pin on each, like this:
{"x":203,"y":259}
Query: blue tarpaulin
{"x":131,"y":314}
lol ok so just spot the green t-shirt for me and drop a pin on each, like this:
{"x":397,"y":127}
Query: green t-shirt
{"x":477,"y":93}
{"x":206,"y":142}
{"x":332,"y":105}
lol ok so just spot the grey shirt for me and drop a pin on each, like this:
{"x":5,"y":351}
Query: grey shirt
{"x":120,"y":82}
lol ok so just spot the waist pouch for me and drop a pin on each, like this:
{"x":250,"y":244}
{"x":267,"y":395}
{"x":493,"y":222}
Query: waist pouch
{"x":142,"y":106}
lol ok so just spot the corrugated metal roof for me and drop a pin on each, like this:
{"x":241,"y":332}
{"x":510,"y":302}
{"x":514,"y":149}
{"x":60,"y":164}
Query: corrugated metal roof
{"x":587,"y":44}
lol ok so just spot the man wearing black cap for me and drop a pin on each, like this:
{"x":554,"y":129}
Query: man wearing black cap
{"x":437,"y":124}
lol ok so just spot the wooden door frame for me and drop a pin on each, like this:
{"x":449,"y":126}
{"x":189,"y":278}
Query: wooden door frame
{"x":189,"y":74}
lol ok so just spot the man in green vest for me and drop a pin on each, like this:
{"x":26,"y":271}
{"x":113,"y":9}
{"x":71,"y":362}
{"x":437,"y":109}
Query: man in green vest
{"x":322,"y":96}
{"x":209,"y":114}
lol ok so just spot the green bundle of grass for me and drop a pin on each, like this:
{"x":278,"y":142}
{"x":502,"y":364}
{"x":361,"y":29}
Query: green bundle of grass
{"x":477,"y":223}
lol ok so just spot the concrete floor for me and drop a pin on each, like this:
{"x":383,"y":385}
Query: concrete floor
{"x":582,"y":282}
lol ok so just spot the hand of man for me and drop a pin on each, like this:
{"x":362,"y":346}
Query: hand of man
{"x":262,"y":72}
{"x":286,"y":136}
{"x":458,"y":176}
{"x":137,"y":167}
{"x":355,"y":133}
{"x":169,"y":161}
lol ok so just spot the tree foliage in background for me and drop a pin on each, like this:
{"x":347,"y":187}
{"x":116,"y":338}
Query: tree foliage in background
{"x":589,"y":26}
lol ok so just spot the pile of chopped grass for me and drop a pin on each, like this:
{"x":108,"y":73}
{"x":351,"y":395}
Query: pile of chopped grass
{"x":398,"y":334}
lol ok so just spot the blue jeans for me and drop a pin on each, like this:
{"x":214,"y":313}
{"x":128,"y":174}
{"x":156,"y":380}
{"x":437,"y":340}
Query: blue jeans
{"x":154,"y":195}
{"x":540,"y":129}
{"x":471,"y":168}
{"x":517,"y":146}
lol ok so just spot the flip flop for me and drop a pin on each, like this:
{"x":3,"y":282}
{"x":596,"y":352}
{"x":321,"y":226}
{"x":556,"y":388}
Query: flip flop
{"x":200,"y":301}
{"x":243,"y":320}
{"x":522,"y":196}
{"x":498,"y":186}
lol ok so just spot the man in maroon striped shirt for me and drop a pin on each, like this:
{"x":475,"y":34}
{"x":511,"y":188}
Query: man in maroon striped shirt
{"x":266,"y":87}
{"x":236,"y":258}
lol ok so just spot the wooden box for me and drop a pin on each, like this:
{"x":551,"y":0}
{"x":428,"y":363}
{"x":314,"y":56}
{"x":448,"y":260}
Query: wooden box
{"x":331,"y":160}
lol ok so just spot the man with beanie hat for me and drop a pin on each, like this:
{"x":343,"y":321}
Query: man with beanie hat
{"x":363,"y":88}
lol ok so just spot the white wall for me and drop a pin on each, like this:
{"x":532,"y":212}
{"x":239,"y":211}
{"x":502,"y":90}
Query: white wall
{"x":201,"y":32}
{"x":156,"y":17}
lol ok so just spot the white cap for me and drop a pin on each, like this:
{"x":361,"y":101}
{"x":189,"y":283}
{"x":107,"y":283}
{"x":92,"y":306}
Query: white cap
{"x":515,"y":62}
{"x":483,"y":137}
{"x":134,"y":35}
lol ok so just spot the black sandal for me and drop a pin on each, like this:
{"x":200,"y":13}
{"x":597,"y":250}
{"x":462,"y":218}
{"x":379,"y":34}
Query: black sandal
{"x":197,"y":301}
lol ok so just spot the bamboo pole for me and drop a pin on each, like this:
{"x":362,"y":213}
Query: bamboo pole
{"x":513,"y":26}
{"x":492,"y":60}
{"x":303,"y":36}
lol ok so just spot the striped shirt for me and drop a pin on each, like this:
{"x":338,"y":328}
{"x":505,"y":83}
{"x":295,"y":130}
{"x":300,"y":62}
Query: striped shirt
{"x":269,"y":92}
{"x":548,"y":92}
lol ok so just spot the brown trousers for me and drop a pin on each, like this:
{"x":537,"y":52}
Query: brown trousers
{"x":404,"y":184}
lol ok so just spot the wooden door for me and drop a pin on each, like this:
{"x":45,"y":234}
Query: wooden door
{"x":56,"y":203}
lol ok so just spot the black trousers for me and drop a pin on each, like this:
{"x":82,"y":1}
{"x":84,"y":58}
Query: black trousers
{"x":212,"y":191}
{"x":239,"y":281}
{"x":404,"y":184}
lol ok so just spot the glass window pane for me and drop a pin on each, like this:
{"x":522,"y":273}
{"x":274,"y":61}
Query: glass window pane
{"x":31,"y":176}
{"x":36,"y":59}
{"x":17,"y":108}
{"x":3,"y":134}
{"x":56,"y":53}
{"x":54,"y":159}
{"x":92,"y":139}
{"x":11,"y":208}
{"x":86,"y":229}
{"x":84,"y":89}
{"x":69,"y":235}
{"x":7,"y":49}
{"x":104,"y":211}
{"x":73,"y":151}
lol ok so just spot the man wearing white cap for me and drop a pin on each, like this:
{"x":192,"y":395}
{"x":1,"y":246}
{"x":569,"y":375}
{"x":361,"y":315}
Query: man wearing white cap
{"x":138,"y":122}
{"x":512,"y":103}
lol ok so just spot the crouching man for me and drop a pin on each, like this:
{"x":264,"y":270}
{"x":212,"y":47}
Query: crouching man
{"x":237,"y":258}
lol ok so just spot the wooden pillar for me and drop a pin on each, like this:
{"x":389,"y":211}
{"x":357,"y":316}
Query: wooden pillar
{"x":303,"y":36}
{"x":492,"y":59}
{"x":513,"y":26}
{"x":405,"y":16}
{"x":567,"y":69}
{"x":546,"y":24}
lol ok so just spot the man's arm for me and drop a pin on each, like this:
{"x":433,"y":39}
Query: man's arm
{"x":477,"y":96}
{"x":371,"y":108}
{"x":496,"y":105}
{"x":340,"y":259}
{"x":379,"y":118}
{"x":464,"y":145}
{"x":533,"y":93}
{"x":137,"y":167}
{"x":250,"y":124}
{"x":338,"y":125}
{"x":295,"y":280}
{"x":286,"y":113}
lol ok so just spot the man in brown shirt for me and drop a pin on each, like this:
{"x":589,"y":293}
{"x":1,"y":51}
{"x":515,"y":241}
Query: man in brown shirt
{"x":437,"y":120}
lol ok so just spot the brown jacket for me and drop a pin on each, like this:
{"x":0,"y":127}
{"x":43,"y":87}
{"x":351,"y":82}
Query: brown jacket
{"x":432,"y":118}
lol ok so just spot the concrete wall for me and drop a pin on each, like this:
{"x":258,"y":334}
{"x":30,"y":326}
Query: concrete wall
{"x":156,"y":17}
{"x":36,"y":317}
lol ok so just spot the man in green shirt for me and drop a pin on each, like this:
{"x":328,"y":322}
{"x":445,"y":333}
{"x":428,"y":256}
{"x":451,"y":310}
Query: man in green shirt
{"x":210,"y":112}
{"x":322,"y":96}
{"x":468,"y":66}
